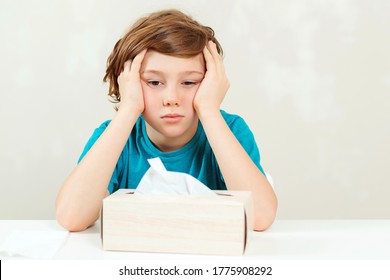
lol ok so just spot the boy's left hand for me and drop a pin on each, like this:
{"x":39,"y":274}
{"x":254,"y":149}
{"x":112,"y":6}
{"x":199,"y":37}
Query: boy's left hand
{"x":214,"y":85}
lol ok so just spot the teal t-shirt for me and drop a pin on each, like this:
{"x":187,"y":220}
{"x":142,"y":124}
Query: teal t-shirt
{"x":195,"y":158}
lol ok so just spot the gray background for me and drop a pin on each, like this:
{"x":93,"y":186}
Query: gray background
{"x":311,"y":78}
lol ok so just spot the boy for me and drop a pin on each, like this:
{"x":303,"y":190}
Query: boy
{"x":168,"y":77}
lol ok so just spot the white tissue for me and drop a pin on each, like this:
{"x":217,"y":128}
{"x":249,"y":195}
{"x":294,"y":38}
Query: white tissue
{"x":157,"y":180}
{"x":36,"y":244}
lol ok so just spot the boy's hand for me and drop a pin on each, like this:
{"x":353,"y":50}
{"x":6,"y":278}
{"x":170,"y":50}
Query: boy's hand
{"x":214,"y":85}
{"x":130,"y":87}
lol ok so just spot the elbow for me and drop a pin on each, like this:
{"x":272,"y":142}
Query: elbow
{"x":71,"y":222}
{"x":71,"y":226}
{"x":263,"y":224}
{"x":263,"y":220}
{"x":73,"y":217}
{"x":70,"y":217}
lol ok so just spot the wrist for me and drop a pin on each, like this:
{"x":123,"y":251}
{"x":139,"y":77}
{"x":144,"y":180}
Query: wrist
{"x":125,"y":118}
{"x":208,"y":113}
{"x":129,"y":112}
{"x":131,"y":109}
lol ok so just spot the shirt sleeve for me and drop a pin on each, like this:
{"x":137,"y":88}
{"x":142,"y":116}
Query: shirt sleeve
{"x":114,"y":182}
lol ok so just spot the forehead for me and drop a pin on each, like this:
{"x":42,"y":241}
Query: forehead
{"x":165,"y":63}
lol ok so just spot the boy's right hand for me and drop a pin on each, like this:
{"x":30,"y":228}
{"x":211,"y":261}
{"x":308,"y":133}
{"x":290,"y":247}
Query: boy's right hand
{"x":129,"y":82}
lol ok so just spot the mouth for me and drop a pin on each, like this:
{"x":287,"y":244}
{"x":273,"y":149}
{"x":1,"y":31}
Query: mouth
{"x":172,"y":118}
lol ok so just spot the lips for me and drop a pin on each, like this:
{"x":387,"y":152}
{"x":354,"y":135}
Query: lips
{"x":172,"y":117}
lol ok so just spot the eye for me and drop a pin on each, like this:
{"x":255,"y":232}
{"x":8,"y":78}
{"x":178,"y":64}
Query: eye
{"x":189,"y":83}
{"x":154,"y":83}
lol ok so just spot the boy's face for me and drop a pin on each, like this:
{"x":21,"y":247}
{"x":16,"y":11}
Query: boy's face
{"x":169,"y":85}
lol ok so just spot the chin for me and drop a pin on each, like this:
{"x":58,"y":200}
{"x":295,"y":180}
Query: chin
{"x":172,"y":133}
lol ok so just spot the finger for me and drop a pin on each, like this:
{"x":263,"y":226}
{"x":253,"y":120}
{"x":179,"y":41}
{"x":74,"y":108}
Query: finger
{"x":208,"y":57}
{"x":213,"y":50}
{"x":126,"y":69}
{"x":216,"y":56}
{"x":126,"y":66}
{"x":137,"y":61}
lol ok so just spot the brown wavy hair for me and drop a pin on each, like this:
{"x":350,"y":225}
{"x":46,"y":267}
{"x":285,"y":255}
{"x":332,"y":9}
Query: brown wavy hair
{"x":169,"y":32}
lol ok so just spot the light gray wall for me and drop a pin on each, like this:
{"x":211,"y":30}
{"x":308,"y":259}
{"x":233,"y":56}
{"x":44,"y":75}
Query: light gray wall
{"x":312,"y":79}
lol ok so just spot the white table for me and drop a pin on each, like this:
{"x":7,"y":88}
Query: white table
{"x":285,"y":240}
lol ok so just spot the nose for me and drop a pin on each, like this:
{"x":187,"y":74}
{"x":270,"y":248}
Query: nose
{"x":171,"y":97}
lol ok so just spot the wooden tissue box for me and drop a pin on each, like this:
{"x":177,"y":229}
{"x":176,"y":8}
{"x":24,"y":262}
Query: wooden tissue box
{"x":177,"y":223}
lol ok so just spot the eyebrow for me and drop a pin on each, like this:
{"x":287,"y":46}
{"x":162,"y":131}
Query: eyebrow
{"x":161,"y":72}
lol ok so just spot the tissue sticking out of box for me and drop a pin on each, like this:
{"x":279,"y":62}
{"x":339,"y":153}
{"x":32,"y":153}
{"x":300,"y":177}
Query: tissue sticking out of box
{"x":157,"y":180}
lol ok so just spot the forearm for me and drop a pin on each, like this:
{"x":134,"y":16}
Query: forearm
{"x":80,"y":198}
{"x":238,"y":169}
